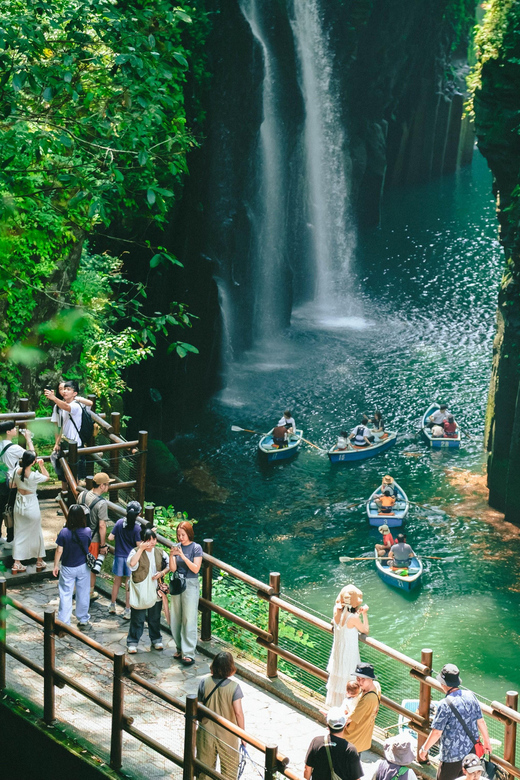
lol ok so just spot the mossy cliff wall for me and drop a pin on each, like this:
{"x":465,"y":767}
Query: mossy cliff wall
{"x":497,"y":116}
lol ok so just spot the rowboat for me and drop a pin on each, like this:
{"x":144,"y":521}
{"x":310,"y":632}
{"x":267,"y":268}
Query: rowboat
{"x":399,"y":510}
{"x":353,"y":452}
{"x":267,"y":448}
{"x":438,"y":442}
{"x":402,"y":581}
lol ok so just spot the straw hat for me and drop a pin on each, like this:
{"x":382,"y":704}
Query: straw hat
{"x":383,"y":529}
{"x":388,"y":479}
{"x":398,"y":750}
{"x":351,"y":596}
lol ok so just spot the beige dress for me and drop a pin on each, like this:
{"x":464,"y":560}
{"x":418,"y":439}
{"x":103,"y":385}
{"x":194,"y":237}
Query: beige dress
{"x":28,"y":537}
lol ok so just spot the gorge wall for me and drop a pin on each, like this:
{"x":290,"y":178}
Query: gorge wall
{"x":497,"y":116}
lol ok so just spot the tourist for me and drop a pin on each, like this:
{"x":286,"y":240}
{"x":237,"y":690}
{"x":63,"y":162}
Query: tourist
{"x":71,"y":422}
{"x":98,"y":508}
{"x":385,"y":502}
{"x":360,"y":724}
{"x":350,"y":619}
{"x":148,"y":564}
{"x":438,"y":417}
{"x":10,"y":454}
{"x":401,"y":554}
{"x":342,"y":443}
{"x":361,"y":436}
{"x":351,"y":699}
{"x":450,"y":427}
{"x":437,"y":431}
{"x":388,"y":483}
{"x":456,"y":725}
{"x":28,"y":537}
{"x":471,"y":767}
{"x":398,"y":754}
{"x":224,"y":697}
{"x":72,"y":548}
{"x":127,"y":534}
{"x":378,"y":425}
{"x":186,"y":559}
{"x":288,"y":422}
{"x":331,"y":754}
{"x":280,"y":436}
{"x":58,"y":418}
{"x":383,"y":550}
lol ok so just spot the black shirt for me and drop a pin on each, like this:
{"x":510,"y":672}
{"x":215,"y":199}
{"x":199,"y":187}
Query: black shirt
{"x":345,"y":759}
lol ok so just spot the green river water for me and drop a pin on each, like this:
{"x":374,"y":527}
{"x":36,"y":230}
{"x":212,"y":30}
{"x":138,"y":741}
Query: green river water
{"x":424,"y":290}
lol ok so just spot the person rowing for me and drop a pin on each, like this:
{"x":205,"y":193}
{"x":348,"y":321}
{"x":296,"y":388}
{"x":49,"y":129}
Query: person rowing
{"x":438,"y":417}
{"x":385,"y":502}
{"x":360,"y":436}
{"x":401,"y":554}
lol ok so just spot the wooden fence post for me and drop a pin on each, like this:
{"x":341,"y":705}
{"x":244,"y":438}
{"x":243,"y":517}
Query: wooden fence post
{"x":272,"y":658}
{"x":270,"y":762}
{"x":92,"y":397}
{"x":115,"y":422}
{"x":149,"y":512}
{"x":23,"y":406}
{"x":49,"y":617}
{"x":425,"y":697}
{"x":118,"y":699}
{"x":3,"y":630}
{"x":207,"y":589}
{"x":89,"y":482}
{"x":141,"y":466}
{"x":190,"y":733}
{"x":510,"y":730}
{"x":72,"y":459}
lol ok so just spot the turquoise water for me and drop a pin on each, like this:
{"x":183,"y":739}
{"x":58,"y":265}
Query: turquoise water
{"x":419,"y":327}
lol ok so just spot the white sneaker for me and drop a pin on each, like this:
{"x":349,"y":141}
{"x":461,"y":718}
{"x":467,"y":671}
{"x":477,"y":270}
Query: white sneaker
{"x":158,"y":645}
{"x":112,"y":608}
{"x":86,"y":624}
{"x":131,"y":649}
{"x":127,"y":614}
{"x":8,"y":544}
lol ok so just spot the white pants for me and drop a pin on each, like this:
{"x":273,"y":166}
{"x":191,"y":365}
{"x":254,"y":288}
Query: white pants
{"x":80,"y":577}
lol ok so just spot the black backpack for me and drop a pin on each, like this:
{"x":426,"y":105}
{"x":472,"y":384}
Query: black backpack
{"x":86,"y":429}
{"x":4,"y":472}
{"x":82,"y":501}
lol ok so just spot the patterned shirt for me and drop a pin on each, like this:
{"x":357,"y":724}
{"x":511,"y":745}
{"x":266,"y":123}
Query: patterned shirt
{"x":454,"y":742}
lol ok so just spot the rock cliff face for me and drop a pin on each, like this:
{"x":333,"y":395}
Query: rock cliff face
{"x":497,"y":114}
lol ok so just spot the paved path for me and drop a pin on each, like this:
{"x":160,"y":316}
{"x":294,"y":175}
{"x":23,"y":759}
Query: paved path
{"x":268,"y":718}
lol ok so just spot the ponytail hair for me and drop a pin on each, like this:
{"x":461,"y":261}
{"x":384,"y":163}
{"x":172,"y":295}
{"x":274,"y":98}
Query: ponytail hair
{"x":26,"y":460}
{"x":133,"y":509}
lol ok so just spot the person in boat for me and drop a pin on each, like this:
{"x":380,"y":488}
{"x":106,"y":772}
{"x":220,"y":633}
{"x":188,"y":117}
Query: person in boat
{"x":437,"y":431}
{"x":388,"y":541}
{"x":385,"y":502}
{"x":389,"y":482}
{"x":288,"y":422}
{"x":342,"y":441}
{"x":361,"y":436}
{"x":378,"y":425}
{"x":438,"y":417}
{"x":450,"y":427}
{"x":401,"y":553}
{"x":280,"y":436}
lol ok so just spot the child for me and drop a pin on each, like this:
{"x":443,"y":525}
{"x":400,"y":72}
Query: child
{"x":127,"y":534}
{"x":352,"y":698}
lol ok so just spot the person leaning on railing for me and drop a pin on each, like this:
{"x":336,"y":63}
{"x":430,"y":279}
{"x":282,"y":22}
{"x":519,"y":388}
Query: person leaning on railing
{"x":224,"y":696}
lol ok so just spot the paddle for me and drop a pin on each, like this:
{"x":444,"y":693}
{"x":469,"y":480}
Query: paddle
{"x":357,"y":503}
{"x":346,"y":559}
{"x":313,"y":445}
{"x":428,"y":508}
{"x":465,"y":433}
{"x":246,"y":430}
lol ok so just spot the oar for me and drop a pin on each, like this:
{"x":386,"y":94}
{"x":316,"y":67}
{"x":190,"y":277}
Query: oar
{"x":357,"y":503}
{"x":346,"y":559}
{"x":428,"y":508}
{"x":246,"y":430}
{"x":313,"y":445}
{"x":465,"y":432}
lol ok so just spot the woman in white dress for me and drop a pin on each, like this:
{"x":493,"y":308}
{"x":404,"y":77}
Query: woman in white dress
{"x":28,"y":536}
{"x":350,"y":619}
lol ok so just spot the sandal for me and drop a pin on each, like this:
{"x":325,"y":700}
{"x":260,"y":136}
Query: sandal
{"x":177,"y":655}
{"x":187,"y":661}
{"x":17,"y":567}
{"x":41,"y":566}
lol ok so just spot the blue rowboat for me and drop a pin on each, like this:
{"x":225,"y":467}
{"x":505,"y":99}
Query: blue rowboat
{"x":353,"y":453}
{"x":399,"y":511}
{"x":402,"y":581}
{"x":438,"y":442}
{"x":267,"y":448}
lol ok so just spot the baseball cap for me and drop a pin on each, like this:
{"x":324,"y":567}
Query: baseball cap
{"x":336,"y":719}
{"x":471,"y":763}
{"x":101,"y":478}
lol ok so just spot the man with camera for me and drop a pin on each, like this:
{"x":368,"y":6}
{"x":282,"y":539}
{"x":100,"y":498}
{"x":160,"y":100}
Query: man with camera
{"x":98,"y":508}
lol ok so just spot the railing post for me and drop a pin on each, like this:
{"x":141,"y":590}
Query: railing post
{"x":22,"y":407}
{"x":190,"y":733}
{"x":141,"y":466}
{"x":72,"y":459}
{"x":510,"y":730}
{"x":93,"y":398}
{"x":425,"y":697}
{"x":49,"y":617}
{"x":272,"y":658}
{"x":270,"y":762}
{"x":89,"y":482}
{"x":207,"y":588}
{"x":115,"y":421}
{"x":3,"y":630}
{"x":149,"y":512}
{"x":118,"y":698}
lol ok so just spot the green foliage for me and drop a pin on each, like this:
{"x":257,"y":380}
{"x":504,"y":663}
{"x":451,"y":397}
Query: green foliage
{"x":497,"y":38}
{"x":167,"y":519}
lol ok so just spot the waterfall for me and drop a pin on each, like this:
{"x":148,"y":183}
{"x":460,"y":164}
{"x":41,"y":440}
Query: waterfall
{"x":327,"y":160}
{"x":268,"y":211}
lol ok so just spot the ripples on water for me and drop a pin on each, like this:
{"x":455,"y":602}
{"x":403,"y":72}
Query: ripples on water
{"x":420,"y":328}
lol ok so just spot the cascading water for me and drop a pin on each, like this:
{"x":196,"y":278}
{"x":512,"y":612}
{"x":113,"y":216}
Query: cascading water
{"x":327,"y":159}
{"x":268,"y":211}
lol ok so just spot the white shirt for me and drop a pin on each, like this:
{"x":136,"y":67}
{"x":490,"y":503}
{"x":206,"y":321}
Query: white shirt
{"x":57,"y":415}
{"x":68,"y":430}
{"x":285,"y":421}
{"x":151,"y":558}
{"x":12,"y":456}
{"x":438,"y":417}
{"x":342,"y":443}
{"x":366,"y":431}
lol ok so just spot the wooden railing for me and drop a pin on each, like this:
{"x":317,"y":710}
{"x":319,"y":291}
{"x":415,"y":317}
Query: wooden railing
{"x":121,"y":719}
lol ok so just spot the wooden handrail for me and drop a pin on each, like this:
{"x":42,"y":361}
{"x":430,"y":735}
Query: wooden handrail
{"x":17,"y":416}
{"x":240,"y":575}
{"x":121,"y":445}
{"x":100,"y":421}
{"x":266,"y":636}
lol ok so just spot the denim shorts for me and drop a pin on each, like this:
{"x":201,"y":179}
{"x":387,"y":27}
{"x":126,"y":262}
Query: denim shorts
{"x":119,"y":568}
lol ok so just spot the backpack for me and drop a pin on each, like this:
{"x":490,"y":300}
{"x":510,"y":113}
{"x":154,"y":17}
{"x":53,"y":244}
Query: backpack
{"x":4,"y":472}
{"x":86,"y":428}
{"x":88,"y":510}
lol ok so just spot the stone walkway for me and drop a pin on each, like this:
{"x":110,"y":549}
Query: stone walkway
{"x":267,"y":718}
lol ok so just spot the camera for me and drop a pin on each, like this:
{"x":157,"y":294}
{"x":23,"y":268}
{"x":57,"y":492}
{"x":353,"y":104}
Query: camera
{"x":98,"y":564}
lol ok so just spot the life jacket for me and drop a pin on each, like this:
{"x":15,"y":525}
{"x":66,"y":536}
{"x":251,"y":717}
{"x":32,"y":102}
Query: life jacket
{"x":359,"y":438}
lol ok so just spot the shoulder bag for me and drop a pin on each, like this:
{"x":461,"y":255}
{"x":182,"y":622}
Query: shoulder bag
{"x":478,"y":747}
{"x":89,"y":558}
{"x":333,"y":775}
